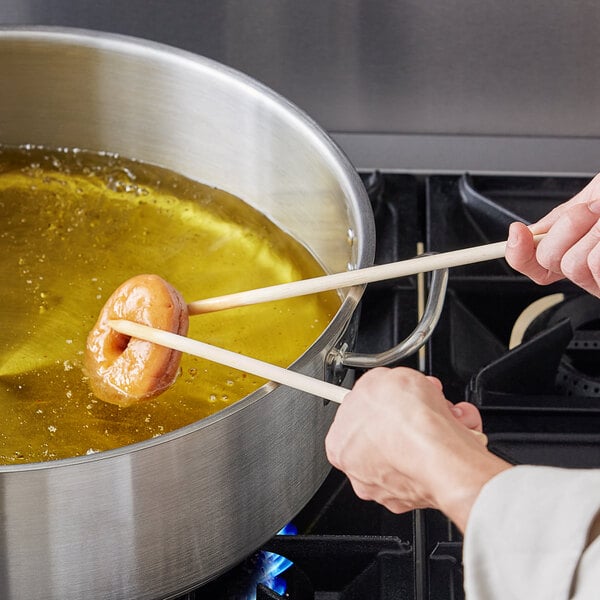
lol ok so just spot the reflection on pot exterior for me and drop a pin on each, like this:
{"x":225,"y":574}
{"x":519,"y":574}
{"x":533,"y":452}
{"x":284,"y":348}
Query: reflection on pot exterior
{"x":162,"y":516}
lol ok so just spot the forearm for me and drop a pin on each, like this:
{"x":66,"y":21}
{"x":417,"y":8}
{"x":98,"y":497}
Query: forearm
{"x":465,"y":485}
{"x":451,"y":484}
{"x":456,"y":468}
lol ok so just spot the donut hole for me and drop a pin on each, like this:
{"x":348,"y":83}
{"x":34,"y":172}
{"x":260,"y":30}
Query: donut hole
{"x":120,"y":341}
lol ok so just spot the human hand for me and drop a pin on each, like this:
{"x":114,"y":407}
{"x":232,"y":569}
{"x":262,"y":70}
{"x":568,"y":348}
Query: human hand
{"x":401,"y":444}
{"x":570,"y":248}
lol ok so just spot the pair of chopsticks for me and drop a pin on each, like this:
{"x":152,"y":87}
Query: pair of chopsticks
{"x":310,"y":385}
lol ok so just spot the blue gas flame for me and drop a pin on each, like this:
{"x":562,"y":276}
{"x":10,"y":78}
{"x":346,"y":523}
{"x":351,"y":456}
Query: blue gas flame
{"x":273,"y":565}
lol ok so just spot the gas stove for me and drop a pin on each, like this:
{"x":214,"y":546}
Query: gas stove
{"x":526,"y":355}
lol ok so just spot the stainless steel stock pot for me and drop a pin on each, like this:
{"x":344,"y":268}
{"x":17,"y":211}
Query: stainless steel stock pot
{"x":157,"y":518}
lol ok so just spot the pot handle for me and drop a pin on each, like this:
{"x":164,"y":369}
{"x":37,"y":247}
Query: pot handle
{"x":340,"y":359}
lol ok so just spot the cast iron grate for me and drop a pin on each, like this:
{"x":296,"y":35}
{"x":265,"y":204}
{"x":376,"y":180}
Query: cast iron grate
{"x":349,"y":549}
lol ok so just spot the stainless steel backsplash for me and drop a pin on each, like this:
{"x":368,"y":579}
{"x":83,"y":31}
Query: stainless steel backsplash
{"x":408,"y":67}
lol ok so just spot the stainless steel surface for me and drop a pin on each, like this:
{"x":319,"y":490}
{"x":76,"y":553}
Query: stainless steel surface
{"x":433,"y":84}
{"x":475,"y":154}
{"x":158,"y":517}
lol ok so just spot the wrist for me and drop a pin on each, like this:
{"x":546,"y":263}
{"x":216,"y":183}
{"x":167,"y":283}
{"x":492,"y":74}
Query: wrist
{"x":464,"y":484}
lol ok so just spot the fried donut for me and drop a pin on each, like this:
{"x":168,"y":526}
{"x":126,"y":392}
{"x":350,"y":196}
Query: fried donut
{"x":124,"y":370}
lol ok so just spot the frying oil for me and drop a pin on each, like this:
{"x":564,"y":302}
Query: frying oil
{"x":74,"y":226}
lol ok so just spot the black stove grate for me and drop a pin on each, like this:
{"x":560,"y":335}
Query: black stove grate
{"x":348,"y":549}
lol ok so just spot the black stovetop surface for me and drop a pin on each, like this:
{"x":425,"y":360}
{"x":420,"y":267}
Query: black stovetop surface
{"x":349,"y":549}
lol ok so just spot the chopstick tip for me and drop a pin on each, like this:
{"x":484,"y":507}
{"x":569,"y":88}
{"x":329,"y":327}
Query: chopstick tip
{"x":117,"y":324}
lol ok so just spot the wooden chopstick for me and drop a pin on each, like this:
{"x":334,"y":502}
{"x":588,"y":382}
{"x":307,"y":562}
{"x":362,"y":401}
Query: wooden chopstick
{"x":403,"y":268}
{"x":292,"y":379}
{"x":286,"y":377}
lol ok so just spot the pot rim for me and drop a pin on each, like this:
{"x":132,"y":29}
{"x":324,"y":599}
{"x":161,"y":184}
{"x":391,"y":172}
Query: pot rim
{"x":346,"y":173}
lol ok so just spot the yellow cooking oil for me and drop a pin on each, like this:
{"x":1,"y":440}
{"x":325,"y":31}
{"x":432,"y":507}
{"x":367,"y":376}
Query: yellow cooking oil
{"x":74,"y":225}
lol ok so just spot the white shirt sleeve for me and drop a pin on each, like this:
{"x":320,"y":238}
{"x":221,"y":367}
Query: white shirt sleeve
{"x":527,"y":536}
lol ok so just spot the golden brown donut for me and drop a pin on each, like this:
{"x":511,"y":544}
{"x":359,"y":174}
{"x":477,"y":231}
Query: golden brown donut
{"x":124,"y":370}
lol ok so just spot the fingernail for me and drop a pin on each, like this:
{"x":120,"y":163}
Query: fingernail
{"x":513,"y":237}
{"x":480,"y":436}
{"x":594,"y":207}
{"x":457,"y":411}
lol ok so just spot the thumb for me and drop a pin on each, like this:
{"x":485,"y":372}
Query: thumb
{"x":468,"y":415}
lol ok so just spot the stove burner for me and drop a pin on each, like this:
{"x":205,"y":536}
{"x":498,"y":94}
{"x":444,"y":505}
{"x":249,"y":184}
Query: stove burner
{"x":579,"y":369}
{"x":273,"y":565}
{"x":558,"y":356}
{"x":578,"y":372}
{"x":258,"y":577}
